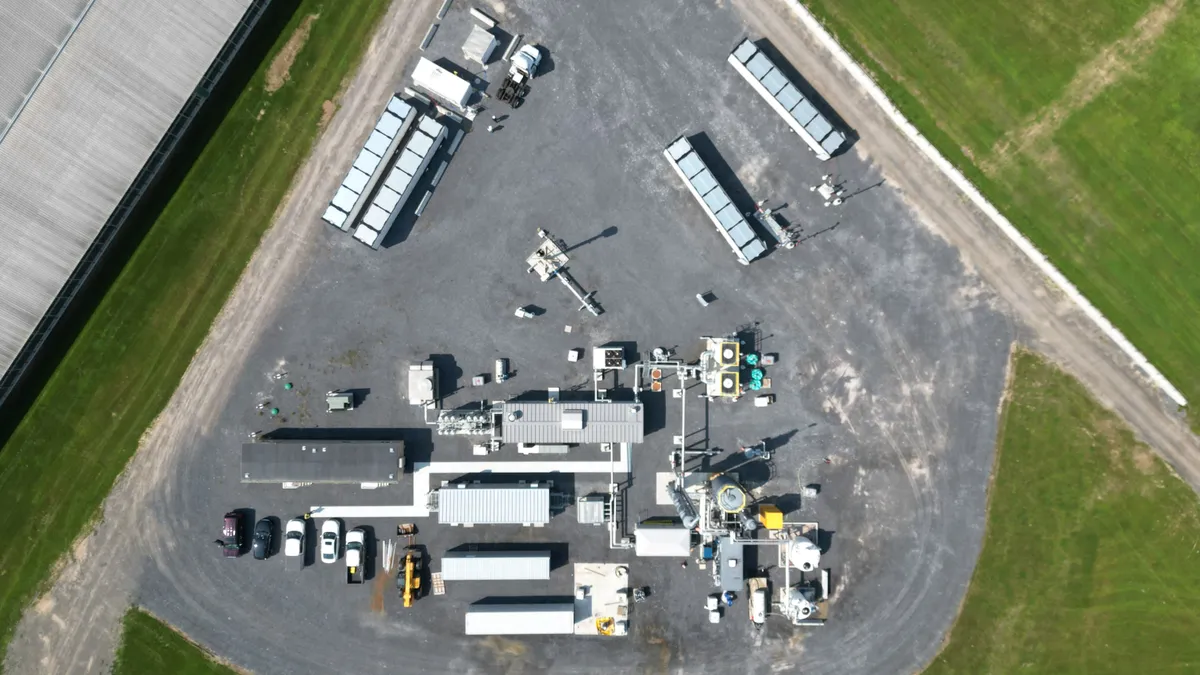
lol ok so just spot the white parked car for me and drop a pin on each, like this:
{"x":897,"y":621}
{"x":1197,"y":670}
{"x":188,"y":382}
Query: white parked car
{"x":331,"y":533}
{"x":293,"y":544}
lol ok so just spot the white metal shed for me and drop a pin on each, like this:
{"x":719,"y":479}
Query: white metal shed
{"x":662,"y":542}
{"x":556,"y":618}
{"x":496,"y":566}
{"x":484,"y":504}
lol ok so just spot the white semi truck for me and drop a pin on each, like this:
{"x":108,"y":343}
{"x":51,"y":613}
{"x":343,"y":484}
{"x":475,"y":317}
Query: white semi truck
{"x":523,"y":68}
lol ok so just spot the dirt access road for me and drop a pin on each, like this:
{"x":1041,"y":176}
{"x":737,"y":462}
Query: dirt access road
{"x":1055,"y":326}
{"x":75,"y":627}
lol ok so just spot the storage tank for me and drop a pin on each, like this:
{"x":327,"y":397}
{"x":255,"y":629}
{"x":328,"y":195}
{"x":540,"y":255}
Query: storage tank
{"x":729,"y":496}
{"x":803,"y":554}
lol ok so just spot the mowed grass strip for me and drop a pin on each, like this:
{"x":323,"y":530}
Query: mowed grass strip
{"x":1081,"y":122}
{"x":64,"y":456}
{"x":1092,"y":546}
{"x":150,"y":646}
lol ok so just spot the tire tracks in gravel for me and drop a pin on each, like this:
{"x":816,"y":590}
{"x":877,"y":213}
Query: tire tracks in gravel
{"x":76,"y":625}
{"x":1053,"y":326}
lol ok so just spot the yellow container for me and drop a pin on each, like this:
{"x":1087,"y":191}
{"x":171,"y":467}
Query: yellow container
{"x":770,"y":516}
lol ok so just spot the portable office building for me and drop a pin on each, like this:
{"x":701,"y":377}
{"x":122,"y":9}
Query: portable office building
{"x":484,"y":504}
{"x":556,"y":618}
{"x":496,"y":566}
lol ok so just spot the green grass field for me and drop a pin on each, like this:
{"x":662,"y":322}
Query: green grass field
{"x":1090,"y":560}
{"x":1081,"y":122}
{"x":150,"y":646}
{"x":64,"y":456}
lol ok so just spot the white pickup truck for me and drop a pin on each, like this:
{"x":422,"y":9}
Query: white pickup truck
{"x":356,"y":555}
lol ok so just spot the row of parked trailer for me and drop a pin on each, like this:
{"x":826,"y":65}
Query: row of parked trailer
{"x":797,"y":111}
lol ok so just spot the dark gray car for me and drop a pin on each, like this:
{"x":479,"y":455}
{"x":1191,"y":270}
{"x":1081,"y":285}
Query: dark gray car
{"x":260,"y":544}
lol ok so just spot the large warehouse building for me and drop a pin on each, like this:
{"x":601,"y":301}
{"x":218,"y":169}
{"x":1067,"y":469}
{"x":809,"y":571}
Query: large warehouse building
{"x":94,"y":95}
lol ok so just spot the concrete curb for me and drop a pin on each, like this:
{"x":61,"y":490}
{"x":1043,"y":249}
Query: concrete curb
{"x":960,"y":181}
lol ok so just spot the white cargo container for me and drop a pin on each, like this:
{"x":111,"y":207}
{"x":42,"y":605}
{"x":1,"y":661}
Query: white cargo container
{"x":555,"y":618}
{"x":496,"y":566}
{"x":442,"y":84}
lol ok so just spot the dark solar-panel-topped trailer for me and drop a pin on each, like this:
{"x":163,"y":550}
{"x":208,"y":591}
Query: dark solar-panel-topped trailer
{"x":783,"y":96}
{"x":294,"y":463}
{"x":714,"y":200}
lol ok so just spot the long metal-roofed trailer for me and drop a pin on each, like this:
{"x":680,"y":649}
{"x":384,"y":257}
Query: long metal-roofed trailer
{"x":493,"y":504}
{"x":294,"y":463}
{"x":783,"y":96}
{"x":442,"y":84}
{"x":714,"y":200}
{"x":550,"y":618}
{"x":496,"y":566}
{"x":401,"y":181}
{"x":369,"y":166}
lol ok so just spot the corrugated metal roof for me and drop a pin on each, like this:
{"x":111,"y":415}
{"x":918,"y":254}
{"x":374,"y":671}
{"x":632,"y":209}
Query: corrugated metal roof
{"x":603,"y":422}
{"x":496,"y":565}
{"x":482,"y":504}
{"x":105,"y":100}
{"x":557,"y":618}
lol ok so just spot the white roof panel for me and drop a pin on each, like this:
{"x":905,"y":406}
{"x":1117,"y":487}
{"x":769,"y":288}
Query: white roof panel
{"x":389,"y":124}
{"x":386,"y":199}
{"x":833,"y":141}
{"x":366,"y":235}
{"x":334,"y":217}
{"x":716,"y":199}
{"x":398,"y":180}
{"x":356,"y":180}
{"x":367,"y":161}
{"x":819,"y":127}
{"x":804,"y":112}
{"x":745,"y":50}
{"x":729,"y":216}
{"x":679,"y":148}
{"x":741,"y":234}
{"x":398,"y":107}
{"x":774,"y":81}
{"x":419,"y":143}
{"x":754,"y":248}
{"x":430,"y":126}
{"x":377,"y":143}
{"x":409,"y":162}
{"x":691,"y":165}
{"x":789,"y":97}
{"x":759,"y":66}
{"x":344,"y":199}
{"x":375,"y":218}
{"x":703,"y":182}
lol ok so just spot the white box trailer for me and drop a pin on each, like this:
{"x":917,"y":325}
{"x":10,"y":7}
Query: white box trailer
{"x":442,"y":84}
{"x":552,"y":618}
{"x":496,"y":566}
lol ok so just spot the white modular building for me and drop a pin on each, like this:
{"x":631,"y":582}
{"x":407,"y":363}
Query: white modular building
{"x":493,"y":504}
{"x":442,"y":84}
{"x":557,"y":618}
{"x":496,"y":566}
